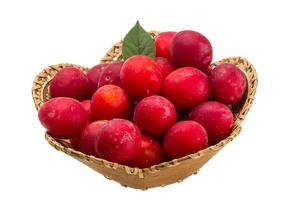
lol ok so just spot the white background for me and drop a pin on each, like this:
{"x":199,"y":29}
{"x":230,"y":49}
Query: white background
{"x":35,"y":34}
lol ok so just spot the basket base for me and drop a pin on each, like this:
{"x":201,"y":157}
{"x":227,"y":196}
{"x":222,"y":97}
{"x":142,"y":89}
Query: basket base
{"x":162,"y":177}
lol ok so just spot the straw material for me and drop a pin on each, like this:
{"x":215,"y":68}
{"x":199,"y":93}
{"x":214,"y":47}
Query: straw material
{"x":161,"y":174}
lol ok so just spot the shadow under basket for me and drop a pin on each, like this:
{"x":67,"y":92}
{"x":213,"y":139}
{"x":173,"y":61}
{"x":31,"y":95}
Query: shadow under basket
{"x":162,"y":174}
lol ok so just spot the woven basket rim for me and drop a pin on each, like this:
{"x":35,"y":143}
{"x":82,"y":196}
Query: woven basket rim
{"x":59,"y":146}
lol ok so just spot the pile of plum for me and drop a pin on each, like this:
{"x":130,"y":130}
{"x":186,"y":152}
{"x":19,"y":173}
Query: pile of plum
{"x":144,"y":111}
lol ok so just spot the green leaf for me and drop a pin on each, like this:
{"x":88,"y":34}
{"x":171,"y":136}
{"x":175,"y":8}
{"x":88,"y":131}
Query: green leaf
{"x":138,"y":41}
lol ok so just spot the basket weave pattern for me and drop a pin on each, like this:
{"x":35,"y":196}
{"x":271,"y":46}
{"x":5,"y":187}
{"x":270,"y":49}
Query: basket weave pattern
{"x":162,"y":174}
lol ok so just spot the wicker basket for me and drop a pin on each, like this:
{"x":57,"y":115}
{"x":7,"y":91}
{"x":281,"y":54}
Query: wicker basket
{"x":161,"y":174}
